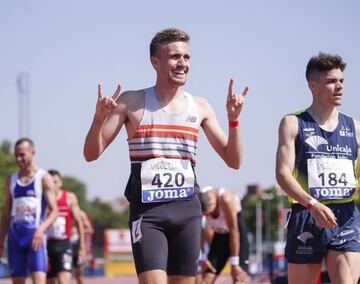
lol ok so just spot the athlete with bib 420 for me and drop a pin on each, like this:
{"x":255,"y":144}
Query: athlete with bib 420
{"x":317,"y":166}
{"x":162,"y":124}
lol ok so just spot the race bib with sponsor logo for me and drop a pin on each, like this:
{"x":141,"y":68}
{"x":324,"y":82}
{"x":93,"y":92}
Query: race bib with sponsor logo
{"x":24,"y":209}
{"x":330,"y":178}
{"x":166,"y":180}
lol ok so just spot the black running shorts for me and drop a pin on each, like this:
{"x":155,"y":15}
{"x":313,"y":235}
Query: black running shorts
{"x":166,"y":236}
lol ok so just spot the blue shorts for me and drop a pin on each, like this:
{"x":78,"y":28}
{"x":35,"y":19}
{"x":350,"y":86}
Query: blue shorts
{"x":22,"y":258}
{"x":166,"y":236}
{"x":308,"y":243}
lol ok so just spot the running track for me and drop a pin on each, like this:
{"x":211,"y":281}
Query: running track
{"x":133,"y":280}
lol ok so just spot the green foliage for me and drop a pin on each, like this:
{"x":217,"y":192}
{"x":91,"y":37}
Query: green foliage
{"x":269,"y":200}
{"x":79,"y":189}
{"x":103,"y":217}
{"x":7,"y":166}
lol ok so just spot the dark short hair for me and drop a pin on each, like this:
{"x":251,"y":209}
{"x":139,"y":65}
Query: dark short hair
{"x":205,"y":201}
{"x":167,"y":36}
{"x":25,"y":140}
{"x":322,"y":63}
{"x":54,"y":172}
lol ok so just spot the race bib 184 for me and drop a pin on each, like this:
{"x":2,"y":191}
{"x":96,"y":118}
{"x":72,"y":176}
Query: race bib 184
{"x":330,"y":178}
{"x":166,"y":180}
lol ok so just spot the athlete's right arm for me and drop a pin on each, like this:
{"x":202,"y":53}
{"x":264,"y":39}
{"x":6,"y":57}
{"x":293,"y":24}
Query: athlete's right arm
{"x":285,"y":161}
{"x":5,"y":218}
{"x":48,"y":188}
{"x":109,"y":117}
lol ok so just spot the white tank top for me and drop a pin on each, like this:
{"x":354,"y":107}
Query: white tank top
{"x":162,"y":134}
{"x":28,"y":204}
{"x":219,"y":224}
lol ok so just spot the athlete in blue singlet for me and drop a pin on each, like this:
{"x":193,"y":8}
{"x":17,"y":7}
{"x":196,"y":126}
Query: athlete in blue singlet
{"x":162,"y":124}
{"x":318,"y":167}
{"x":27,"y":195}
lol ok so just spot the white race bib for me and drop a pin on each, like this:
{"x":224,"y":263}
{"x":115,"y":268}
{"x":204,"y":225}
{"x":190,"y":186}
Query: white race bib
{"x":24,"y":209}
{"x":330,"y":178}
{"x":166,"y":180}
{"x":58,"y":228}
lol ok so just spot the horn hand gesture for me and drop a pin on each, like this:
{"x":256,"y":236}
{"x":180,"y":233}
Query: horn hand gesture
{"x":235,"y":102}
{"x":106,"y":105}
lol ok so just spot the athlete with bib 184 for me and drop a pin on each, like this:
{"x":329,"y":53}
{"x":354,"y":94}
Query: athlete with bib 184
{"x":318,"y":167}
{"x":162,"y":124}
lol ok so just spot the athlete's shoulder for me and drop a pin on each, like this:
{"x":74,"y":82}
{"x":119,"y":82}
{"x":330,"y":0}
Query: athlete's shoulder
{"x":203,"y":106}
{"x":71,"y":197}
{"x":346,"y":115}
{"x":131,"y":101}
{"x":131,"y":96}
{"x":289,"y":120}
{"x":200,"y":100}
{"x":289,"y":127}
{"x":226,"y":195}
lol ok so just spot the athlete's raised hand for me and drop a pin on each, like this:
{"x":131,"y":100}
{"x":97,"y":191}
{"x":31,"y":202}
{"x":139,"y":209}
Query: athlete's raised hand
{"x":106,"y":105}
{"x":235,"y":102}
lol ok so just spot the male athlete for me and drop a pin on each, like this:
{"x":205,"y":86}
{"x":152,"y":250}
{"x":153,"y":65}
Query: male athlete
{"x":78,"y":259}
{"x":59,"y":247}
{"x":162,"y":124}
{"x":229,"y":239}
{"x":29,"y":194}
{"x":317,"y":166}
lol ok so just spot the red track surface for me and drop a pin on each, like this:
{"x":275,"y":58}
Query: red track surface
{"x":133,"y":280}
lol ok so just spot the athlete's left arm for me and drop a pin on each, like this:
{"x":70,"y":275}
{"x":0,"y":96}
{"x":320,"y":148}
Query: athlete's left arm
{"x":357,"y":169}
{"x":227,"y":203}
{"x":228,"y":206}
{"x":229,"y":148}
{"x":76,"y":213}
{"x":48,"y":187}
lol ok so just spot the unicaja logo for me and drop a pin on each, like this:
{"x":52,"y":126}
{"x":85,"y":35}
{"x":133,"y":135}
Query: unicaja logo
{"x":315,"y":141}
{"x":305,"y":236}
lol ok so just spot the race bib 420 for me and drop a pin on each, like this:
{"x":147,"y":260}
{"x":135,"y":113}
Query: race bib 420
{"x":166,"y":180}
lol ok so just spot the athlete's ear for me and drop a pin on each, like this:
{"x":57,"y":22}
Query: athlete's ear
{"x":154,"y":61}
{"x":312,"y":86}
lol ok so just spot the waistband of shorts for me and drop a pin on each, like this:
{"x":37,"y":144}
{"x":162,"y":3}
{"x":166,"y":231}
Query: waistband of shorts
{"x":59,"y":241}
{"x":298,"y":206}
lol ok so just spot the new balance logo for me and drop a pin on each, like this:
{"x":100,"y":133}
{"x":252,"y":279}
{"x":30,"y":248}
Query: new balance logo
{"x":191,"y":118}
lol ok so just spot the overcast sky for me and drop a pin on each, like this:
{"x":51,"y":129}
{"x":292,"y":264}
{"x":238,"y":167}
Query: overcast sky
{"x":67,"y":47}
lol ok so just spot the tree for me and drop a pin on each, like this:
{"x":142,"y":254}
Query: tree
{"x":269,"y":199}
{"x":7,"y":166}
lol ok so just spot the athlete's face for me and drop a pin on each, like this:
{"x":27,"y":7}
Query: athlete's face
{"x":24,"y":154}
{"x":172,"y":62}
{"x":328,"y":87}
{"x":57,"y":181}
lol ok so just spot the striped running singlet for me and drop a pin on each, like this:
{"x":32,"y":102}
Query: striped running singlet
{"x":163,"y":144}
